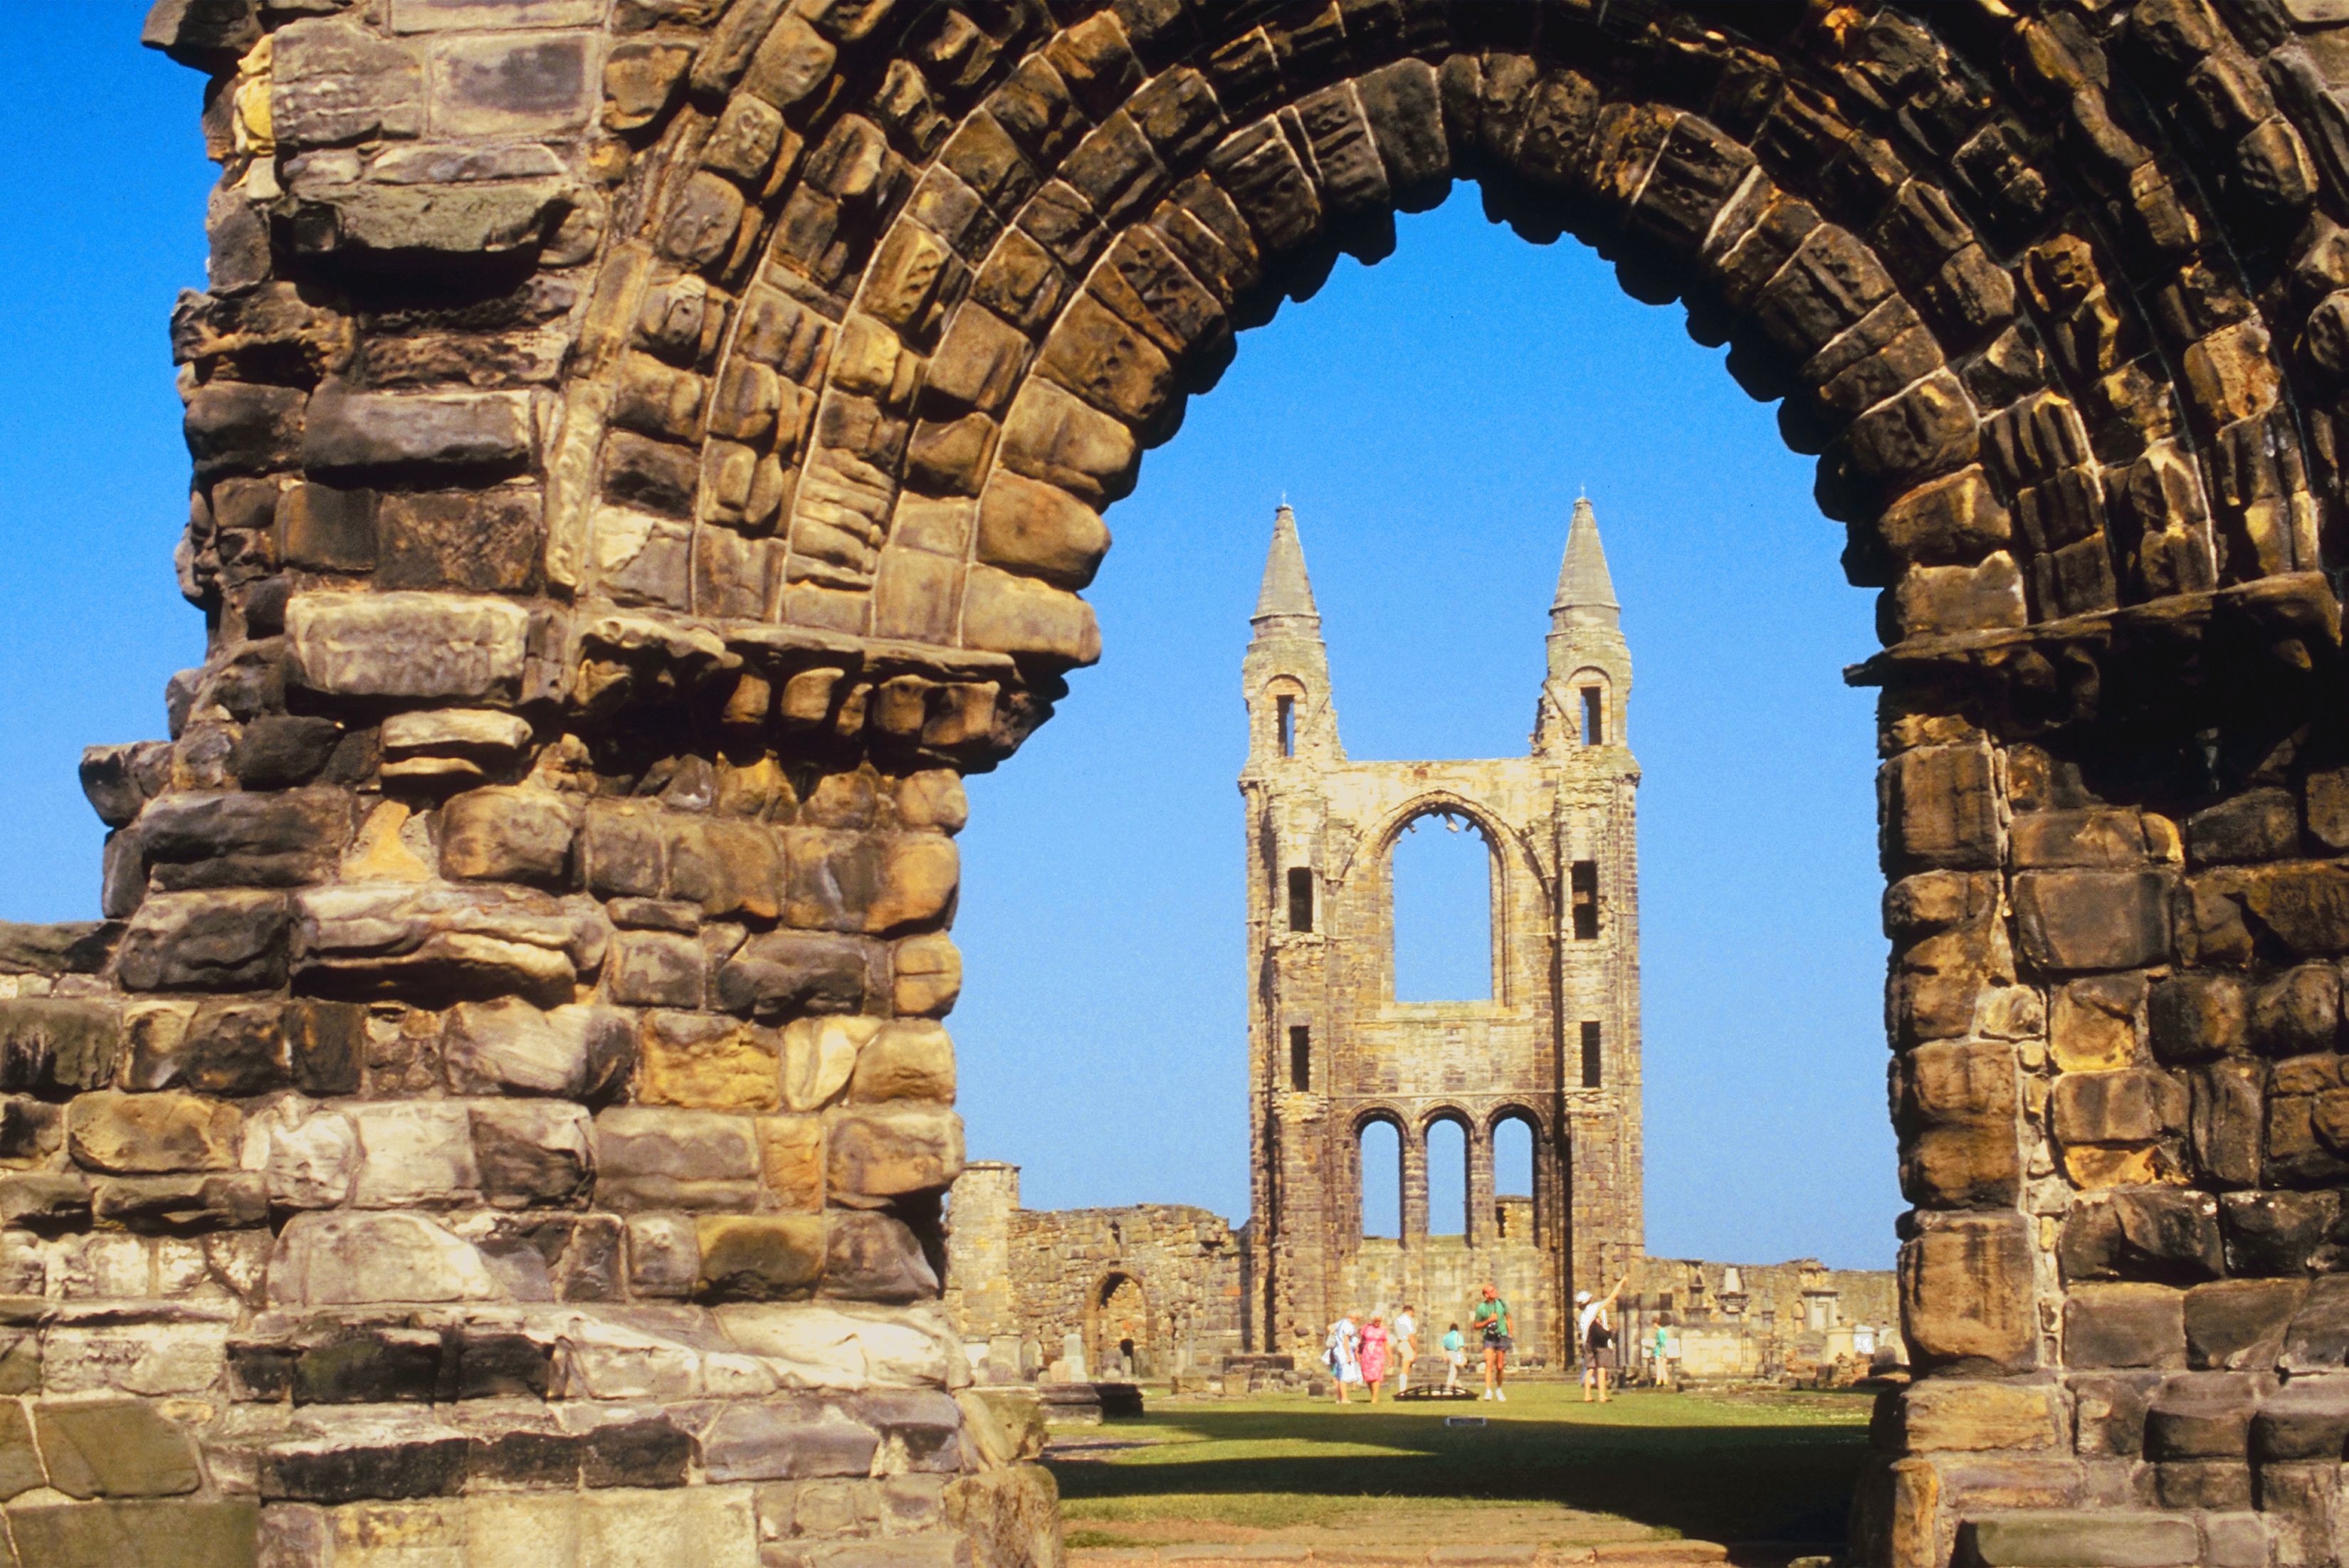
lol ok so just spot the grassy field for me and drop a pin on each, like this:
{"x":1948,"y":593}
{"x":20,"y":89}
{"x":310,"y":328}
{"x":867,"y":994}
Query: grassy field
{"x":1547,"y":1470}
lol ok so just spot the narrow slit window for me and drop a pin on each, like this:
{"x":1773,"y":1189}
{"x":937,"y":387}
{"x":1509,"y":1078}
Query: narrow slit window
{"x":1590,"y":1065}
{"x":1300,"y":1058}
{"x":1584,"y":886}
{"x":1300,"y":898}
{"x":1287,"y":719}
{"x":1594,"y":717}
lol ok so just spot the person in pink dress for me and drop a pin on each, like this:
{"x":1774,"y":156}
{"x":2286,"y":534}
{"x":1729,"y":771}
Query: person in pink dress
{"x":1374,"y":1355}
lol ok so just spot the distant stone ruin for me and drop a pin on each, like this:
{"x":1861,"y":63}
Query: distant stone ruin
{"x":1554,"y":1047}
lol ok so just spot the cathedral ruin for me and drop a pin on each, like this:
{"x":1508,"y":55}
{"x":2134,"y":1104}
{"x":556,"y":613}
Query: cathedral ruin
{"x":1330,"y":1048}
{"x":1172,"y":1291}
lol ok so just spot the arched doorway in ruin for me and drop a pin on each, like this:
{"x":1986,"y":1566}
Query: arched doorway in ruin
{"x":1118,"y":1329}
{"x":860,"y":315}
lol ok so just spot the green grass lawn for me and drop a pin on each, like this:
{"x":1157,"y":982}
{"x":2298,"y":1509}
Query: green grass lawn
{"x":1547,"y":1469}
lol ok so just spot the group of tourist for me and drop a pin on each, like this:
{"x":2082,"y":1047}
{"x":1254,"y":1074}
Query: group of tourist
{"x":1360,"y":1356}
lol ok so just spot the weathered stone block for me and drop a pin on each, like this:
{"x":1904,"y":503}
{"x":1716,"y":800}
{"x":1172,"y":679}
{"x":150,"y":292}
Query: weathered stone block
{"x":509,"y":835}
{"x":2194,"y":1016}
{"x":223,"y":1533}
{"x":57,"y":1042}
{"x":531,"y":1153}
{"x":2094,"y":920}
{"x":875,"y":1257}
{"x":414,"y":1153}
{"x":2298,"y":1013}
{"x":469,"y":941}
{"x":308,"y":1155}
{"x":431,"y":646}
{"x":1940,"y":808}
{"x":1967,"y":1296}
{"x":2125,"y":1326}
{"x":115,"y":1448}
{"x":788,"y":971}
{"x":224,"y":940}
{"x":2257,"y":825}
{"x":659,"y":969}
{"x":235,"y":427}
{"x":180,"y":1205}
{"x":2135,"y":1106}
{"x":706,"y":1063}
{"x":505,"y":86}
{"x":2238,"y":1325}
{"x":513,"y":1048}
{"x":906,"y":1060}
{"x":2273,"y":1233}
{"x":926,"y":976}
{"x":889,"y":1152}
{"x":408,"y":431}
{"x":361,"y":1258}
{"x":767,"y":1257}
{"x":139,"y":1133}
{"x":650,"y":1159}
{"x":777,"y":1441}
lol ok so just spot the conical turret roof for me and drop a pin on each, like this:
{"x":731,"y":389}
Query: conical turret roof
{"x":1586,"y":593}
{"x":1287,"y":590}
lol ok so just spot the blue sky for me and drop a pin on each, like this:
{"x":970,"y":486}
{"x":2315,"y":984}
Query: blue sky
{"x":1431,"y":419}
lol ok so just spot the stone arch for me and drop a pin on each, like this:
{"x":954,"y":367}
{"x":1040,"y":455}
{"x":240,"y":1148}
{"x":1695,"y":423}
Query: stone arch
{"x":740,"y":435}
{"x":1121,"y":1337}
{"x":1464,"y":1214}
{"x":1356,"y":1194}
{"x":1509,"y":886}
{"x":990,"y":315}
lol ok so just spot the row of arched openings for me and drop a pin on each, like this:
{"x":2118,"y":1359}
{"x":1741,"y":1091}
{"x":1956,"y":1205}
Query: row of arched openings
{"x":1381,"y":1160}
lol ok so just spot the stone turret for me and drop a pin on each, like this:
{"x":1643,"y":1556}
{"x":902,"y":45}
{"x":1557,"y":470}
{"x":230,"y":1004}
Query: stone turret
{"x":1287,"y":673}
{"x":1585,"y":693}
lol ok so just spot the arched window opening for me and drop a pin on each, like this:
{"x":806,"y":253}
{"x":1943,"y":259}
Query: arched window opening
{"x":1447,"y":1178}
{"x":1592,"y":1063}
{"x":1380,"y":1152}
{"x":1512,"y":1178}
{"x":1594,"y":715}
{"x":1442,"y":884}
{"x":1287,"y":708}
{"x":1300,"y":1058}
{"x":1300,"y":898}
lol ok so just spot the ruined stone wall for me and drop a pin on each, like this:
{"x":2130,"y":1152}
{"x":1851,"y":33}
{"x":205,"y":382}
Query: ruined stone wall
{"x":1790,"y":1321}
{"x":1026,"y":1285}
{"x":642,"y":446}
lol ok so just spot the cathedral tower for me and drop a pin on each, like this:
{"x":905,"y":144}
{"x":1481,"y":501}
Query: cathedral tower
{"x":1555,"y":1045}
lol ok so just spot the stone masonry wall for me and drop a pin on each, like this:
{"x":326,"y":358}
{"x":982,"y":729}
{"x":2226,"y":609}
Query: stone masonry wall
{"x":643,"y":448}
{"x":1022,"y":1285}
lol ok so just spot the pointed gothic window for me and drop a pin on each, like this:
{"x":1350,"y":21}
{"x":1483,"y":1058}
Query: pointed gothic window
{"x":1594,"y":715}
{"x":1285,"y":708}
{"x":1300,"y":898}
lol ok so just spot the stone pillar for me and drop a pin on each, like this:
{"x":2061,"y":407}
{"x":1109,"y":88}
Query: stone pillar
{"x":1414,"y":1191}
{"x":1482,"y":1228}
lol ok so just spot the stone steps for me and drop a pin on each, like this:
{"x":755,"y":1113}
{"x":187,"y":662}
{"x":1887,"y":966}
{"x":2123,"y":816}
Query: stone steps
{"x":2073,"y":1538}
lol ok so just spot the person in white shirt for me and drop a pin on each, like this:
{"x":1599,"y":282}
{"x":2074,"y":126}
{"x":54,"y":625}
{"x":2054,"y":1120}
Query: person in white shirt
{"x":1406,"y":1345}
{"x":1594,"y":1333}
{"x":1344,"y":1353}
